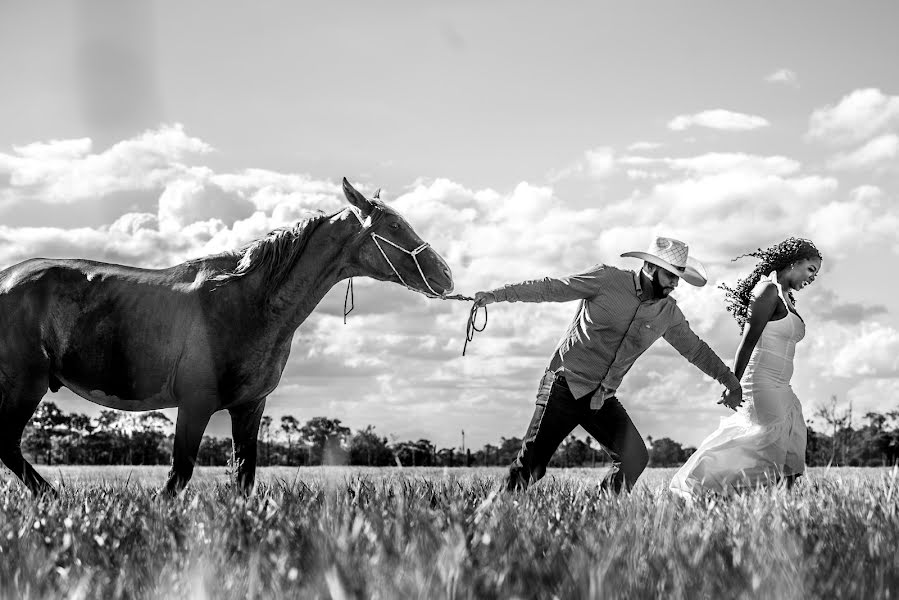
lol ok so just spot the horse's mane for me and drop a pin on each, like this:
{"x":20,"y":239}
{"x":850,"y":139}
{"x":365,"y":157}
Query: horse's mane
{"x":276,"y":253}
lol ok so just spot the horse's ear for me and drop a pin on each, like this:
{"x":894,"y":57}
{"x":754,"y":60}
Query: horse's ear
{"x":377,"y":194}
{"x":364,"y":205}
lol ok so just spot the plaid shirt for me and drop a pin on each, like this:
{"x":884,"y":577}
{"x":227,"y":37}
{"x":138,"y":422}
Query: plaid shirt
{"x":613,"y":326}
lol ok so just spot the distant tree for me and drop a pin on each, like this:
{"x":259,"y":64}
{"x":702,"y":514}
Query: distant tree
{"x":265,"y":438}
{"x":571,"y":453}
{"x":445,"y":457}
{"x":215,"y":451}
{"x":839,"y":423}
{"x":367,"y":448}
{"x":47,"y":424}
{"x":325,"y":437}
{"x":665,"y":452}
{"x":872,"y":444}
{"x":487,"y":455}
{"x":290,"y":427}
{"x":72,"y":445}
{"x":508,"y":450}
{"x":416,"y":454}
{"x":107,"y":444}
{"x":148,"y":436}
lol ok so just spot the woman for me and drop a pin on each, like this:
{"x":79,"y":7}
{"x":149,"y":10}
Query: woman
{"x":764,"y":442}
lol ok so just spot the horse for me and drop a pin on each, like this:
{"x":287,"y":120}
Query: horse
{"x":205,"y":335}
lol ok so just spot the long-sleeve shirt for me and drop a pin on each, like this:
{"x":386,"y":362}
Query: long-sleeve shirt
{"x":612,"y":328}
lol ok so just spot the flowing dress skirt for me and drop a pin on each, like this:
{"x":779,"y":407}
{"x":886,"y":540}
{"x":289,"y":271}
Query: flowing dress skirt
{"x":765,"y":439}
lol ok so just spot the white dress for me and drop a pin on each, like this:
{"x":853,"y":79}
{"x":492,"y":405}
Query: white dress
{"x":765,"y":438}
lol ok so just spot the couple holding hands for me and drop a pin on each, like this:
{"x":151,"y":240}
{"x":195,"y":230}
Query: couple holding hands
{"x":621,"y":314}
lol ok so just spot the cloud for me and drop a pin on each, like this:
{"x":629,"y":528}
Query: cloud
{"x":640,"y":146}
{"x":65,"y":171}
{"x":55,"y":149}
{"x":871,"y":395}
{"x":719,"y":162}
{"x":596,"y":163}
{"x":858,"y":116}
{"x":184,"y":202}
{"x":724,"y":120}
{"x":863,"y":219}
{"x":829,"y":307}
{"x":871,"y":350}
{"x":783,"y":76}
{"x":875,"y":152}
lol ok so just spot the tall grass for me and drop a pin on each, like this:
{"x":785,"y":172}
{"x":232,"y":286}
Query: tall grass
{"x":432,"y":533}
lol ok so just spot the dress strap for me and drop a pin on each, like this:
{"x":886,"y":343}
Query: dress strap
{"x":791,"y":308}
{"x":772,"y":277}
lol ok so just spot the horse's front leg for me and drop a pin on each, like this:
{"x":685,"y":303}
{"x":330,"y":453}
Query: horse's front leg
{"x":245,"y":421}
{"x":18,"y":400}
{"x":189,"y":428}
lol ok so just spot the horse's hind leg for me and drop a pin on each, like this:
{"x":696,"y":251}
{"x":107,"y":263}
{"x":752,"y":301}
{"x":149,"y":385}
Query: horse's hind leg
{"x":245,"y":421}
{"x":17,"y":405}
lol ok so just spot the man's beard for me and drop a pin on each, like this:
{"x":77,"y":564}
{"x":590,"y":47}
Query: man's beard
{"x":658,"y":290}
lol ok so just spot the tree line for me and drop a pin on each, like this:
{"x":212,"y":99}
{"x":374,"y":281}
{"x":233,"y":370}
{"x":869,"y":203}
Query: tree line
{"x":119,"y":438}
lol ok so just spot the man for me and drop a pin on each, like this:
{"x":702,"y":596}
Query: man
{"x":621,"y":314}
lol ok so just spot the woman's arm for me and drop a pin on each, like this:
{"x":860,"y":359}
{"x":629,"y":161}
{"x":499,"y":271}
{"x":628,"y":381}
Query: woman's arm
{"x":762,"y":307}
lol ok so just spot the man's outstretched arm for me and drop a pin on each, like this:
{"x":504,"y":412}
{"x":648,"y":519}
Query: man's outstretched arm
{"x":548,"y":289}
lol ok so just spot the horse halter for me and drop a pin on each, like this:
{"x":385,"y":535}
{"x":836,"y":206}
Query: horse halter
{"x":377,"y":239}
{"x":348,"y":300}
{"x":414,"y":254}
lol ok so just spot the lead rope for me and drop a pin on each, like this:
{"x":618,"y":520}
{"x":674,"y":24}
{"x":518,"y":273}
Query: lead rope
{"x":470,"y":327}
{"x":348,"y":298}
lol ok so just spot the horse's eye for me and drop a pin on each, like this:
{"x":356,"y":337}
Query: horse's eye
{"x":394,"y":225}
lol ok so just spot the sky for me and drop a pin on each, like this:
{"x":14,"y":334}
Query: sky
{"x":520,"y":139}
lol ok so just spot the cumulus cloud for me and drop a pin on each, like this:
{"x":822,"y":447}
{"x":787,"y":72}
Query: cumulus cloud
{"x":858,"y":116}
{"x":66,"y":171}
{"x":184,"y":202}
{"x":865,"y":218}
{"x":724,"y":120}
{"x":783,"y":76}
{"x":871,"y":350}
{"x":878,"y":151}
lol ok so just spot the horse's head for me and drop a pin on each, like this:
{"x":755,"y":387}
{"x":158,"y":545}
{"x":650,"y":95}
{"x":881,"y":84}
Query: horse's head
{"x":390,"y":250}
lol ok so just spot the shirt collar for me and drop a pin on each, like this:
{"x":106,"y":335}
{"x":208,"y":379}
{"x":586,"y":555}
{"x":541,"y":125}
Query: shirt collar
{"x":637,"y":287}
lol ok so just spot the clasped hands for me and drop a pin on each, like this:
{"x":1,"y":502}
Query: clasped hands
{"x":732,"y":399}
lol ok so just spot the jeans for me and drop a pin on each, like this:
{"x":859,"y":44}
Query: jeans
{"x":556,"y":415}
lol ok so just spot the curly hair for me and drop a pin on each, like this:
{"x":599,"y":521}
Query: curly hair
{"x":775,"y":258}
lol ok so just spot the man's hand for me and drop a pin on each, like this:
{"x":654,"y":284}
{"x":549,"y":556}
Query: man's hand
{"x":484,"y":298}
{"x":732,"y":399}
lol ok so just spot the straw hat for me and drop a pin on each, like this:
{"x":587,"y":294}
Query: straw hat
{"x":673,"y":256}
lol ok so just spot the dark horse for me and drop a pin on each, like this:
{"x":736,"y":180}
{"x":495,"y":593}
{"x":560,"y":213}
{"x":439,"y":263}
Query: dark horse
{"x":205,"y":335}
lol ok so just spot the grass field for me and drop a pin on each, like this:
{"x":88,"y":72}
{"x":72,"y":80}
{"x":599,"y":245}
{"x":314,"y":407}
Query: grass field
{"x":434,"y":533}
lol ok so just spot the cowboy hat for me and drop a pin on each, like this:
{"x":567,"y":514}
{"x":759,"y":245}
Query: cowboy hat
{"x":673,"y":256}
